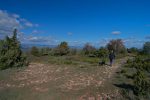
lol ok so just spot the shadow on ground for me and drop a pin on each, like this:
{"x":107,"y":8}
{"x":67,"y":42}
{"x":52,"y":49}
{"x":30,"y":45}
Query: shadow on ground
{"x":125,"y":86}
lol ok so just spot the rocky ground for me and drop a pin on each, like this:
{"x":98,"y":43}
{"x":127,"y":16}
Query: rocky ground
{"x":55,"y":82}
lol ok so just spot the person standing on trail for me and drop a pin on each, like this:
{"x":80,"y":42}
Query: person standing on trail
{"x":111,"y":57}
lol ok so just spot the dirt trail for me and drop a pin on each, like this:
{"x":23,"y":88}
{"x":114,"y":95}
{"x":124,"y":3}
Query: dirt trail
{"x":84,"y":82}
{"x":109,"y":71}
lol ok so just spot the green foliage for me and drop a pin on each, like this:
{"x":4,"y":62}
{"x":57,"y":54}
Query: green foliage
{"x":62,"y":49}
{"x":133,"y":50}
{"x":141,"y":84}
{"x":138,"y":63}
{"x":117,"y":46}
{"x":102,"y":52}
{"x":73,"y":51}
{"x":35,"y":51}
{"x":88,"y":49}
{"x":45,"y":51}
{"x":123,"y":71}
{"x":10,"y":53}
{"x":141,"y":80}
{"x":146,"y":48}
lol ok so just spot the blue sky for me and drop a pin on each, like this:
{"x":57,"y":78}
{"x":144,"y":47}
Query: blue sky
{"x":77,"y":21}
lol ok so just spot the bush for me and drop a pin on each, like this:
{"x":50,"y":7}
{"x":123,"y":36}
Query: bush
{"x":133,"y":50}
{"x":45,"y":51}
{"x":141,"y":81}
{"x":73,"y":51}
{"x":117,"y":46}
{"x":35,"y":51}
{"x":61,"y":49}
{"x":88,"y":49}
{"x":141,"y":84}
{"x":102,"y":52}
{"x":10,"y":53}
{"x":146,"y":48}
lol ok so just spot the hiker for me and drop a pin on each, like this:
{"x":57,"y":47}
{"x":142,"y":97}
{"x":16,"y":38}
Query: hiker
{"x":111,"y":57}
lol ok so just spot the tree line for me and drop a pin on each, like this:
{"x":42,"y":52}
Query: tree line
{"x":11,"y":54}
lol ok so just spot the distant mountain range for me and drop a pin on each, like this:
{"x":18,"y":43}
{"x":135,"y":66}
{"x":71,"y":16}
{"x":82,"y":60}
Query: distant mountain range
{"x":26,"y":47}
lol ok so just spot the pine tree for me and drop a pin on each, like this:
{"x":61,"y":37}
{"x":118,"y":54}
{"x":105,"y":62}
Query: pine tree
{"x":10,"y":53}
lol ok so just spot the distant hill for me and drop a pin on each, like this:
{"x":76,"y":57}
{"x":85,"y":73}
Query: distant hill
{"x":26,"y":47}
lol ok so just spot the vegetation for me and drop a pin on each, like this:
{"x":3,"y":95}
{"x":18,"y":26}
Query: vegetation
{"x":117,"y":46}
{"x":133,"y":50}
{"x":140,"y":76}
{"x":62,"y":49}
{"x":88,"y":49}
{"x":10,"y":53}
{"x":35,"y":51}
{"x":136,"y":72}
{"x":146,"y":48}
{"x":101,"y":52}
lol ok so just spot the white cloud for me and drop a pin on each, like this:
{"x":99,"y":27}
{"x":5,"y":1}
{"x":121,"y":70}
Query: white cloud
{"x":116,"y":32}
{"x":147,"y":37}
{"x":133,"y":42}
{"x":35,"y":31}
{"x":28,"y":24}
{"x":15,"y":16}
{"x":76,"y":43}
{"x":69,"y":33}
{"x":9,"y":21}
{"x":40,"y":40}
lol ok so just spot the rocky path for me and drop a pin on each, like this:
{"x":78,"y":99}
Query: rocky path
{"x":74,"y":83}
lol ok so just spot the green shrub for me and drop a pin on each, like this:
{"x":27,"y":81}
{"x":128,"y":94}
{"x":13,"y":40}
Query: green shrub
{"x":73,"y":51}
{"x":146,"y":48}
{"x":141,"y":84}
{"x":45,"y":51}
{"x":102,"y":52}
{"x":117,"y":46}
{"x":140,"y":75}
{"x":35,"y":51}
{"x":10,"y":53}
{"x":88,"y":49}
{"x":61,"y":49}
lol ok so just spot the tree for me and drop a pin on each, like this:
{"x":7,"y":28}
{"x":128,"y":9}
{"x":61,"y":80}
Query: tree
{"x":35,"y":51}
{"x":10,"y":53}
{"x":73,"y":51}
{"x":62,"y":49}
{"x":140,"y":76}
{"x":146,"y":48}
{"x":88,"y":49}
{"x":44,"y":51}
{"x":133,"y":50}
{"x":101,"y":52}
{"x":117,"y":46}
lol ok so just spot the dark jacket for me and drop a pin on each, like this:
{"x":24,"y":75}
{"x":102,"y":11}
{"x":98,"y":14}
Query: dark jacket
{"x":111,"y":56}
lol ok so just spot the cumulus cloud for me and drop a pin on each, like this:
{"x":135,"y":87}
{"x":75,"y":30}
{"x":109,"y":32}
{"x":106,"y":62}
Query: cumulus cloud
{"x":116,"y":32}
{"x":76,"y":43}
{"x":133,"y":42}
{"x":35,"y":31}
{"x":69,"y":33}
{"x":37,"y":39}
{"x":15,"y":16}
{"x":147,"y":37}
{"x":9,"y":21}
{"x":128,"y":42}
{"x":27,"y":23}
{"x":40,"y":40}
